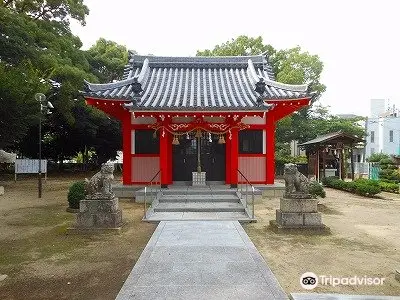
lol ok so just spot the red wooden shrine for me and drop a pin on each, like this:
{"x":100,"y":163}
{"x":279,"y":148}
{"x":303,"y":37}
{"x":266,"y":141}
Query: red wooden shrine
{"x":220,"y":110}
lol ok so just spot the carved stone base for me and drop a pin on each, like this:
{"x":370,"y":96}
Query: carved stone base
{"x":298,"y":213}
{"x":100,"y":214}
{"x":319,"y":230}
{"x":295,"y":219}
{"x":298,"y":205}
{"x":297,"y":195}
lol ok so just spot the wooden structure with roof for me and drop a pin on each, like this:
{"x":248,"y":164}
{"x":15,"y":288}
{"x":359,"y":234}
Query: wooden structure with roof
{"x":182,"y":114}
{"x":325,"y":154}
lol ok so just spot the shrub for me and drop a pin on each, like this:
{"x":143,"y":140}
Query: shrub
{"x":76,"y":193}
{"x":377,"y":157}
{"x":389,"y":186}
{"x":364,"y":187}
{"x":316,"y":189}
{"x":351,"y":186}
{"x":385,"y":161}
{"x":388,"y":171}
{"x":328,"y":180}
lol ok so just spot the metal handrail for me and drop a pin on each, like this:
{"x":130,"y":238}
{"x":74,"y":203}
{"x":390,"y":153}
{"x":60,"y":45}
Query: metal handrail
{"x":241,"y":191}
{"x":150,"y":192}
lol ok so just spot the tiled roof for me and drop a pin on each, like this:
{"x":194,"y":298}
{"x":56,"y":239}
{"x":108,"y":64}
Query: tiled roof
{"x":208,"y":83}
{"x":332,"y":136}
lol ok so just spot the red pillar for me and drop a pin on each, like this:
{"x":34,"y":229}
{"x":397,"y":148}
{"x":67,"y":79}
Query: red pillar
{"x":228,"y":147}
{"x":270,"y":148}
{"x":127,"y":148}
{"x":164,"y":158}
{"x":169,"y":153}
{"x":234,"y":157}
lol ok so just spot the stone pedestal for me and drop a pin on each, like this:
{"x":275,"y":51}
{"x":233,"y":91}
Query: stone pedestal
{"x":298,"y":214}
{"x":99,"y":214}
{"x":198,"y":178}
{"x":1,"y":190}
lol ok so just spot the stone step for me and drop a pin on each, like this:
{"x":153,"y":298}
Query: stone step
{"x":199,"y":191}
{"x":206,"y":216}
{"x":199,"y":198}
{"x":199,"y":207}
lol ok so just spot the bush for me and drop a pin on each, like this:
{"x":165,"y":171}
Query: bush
{"x":385,"y":161}
{"x":76,"y":193}
{"x":388,"y":171}
{"x":328,"y":180}
{"x":364,"y":187}
{"x":367,"y":187}
{"x":316,"y":189}
{"x":389,"y":186}
{"x":351,"y":186}
{"x":377,"y":157}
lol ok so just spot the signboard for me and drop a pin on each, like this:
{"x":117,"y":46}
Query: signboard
{"x":30,"y":166}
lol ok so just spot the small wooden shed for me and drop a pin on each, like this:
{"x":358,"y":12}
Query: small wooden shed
{"x":326,"y":153}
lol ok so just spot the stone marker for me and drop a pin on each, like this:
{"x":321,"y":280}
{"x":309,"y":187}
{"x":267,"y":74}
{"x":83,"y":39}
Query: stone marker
{"x":1,"y":190}
{"x":298,"y":210}
{"x":99,"y":210}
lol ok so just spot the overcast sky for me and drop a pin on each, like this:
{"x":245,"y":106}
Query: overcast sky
{"x":358,"y":41}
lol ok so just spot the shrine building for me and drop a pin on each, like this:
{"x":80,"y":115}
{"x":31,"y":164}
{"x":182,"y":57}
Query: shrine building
{"x":210,"y":115}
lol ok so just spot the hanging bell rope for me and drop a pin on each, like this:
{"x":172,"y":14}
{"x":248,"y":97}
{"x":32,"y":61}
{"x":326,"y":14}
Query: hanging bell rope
{"x":198,"y":133}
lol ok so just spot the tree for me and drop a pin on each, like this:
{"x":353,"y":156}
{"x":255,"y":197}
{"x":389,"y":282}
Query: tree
{"x":320,"y":122}
{"x":290,"y":66}
{"x":37,"y":33}
{"x":241,"y":46}
{"x":49,"y":10}
{"x":107,"y":60}
{"x":19,"y":110}
{"x":293,"y":66}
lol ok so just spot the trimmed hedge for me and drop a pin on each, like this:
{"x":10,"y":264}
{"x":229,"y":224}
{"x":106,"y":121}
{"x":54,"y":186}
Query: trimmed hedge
{"x":76,"y":193}
{"x":363,"y":187}
{"x":389,"y":186}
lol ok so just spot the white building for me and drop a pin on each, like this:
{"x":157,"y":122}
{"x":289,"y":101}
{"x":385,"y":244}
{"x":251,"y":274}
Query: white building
{"x":383,"y":129}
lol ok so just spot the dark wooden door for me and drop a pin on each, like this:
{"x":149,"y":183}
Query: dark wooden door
{"x":213,"y":159}
{"x":184,"y":160}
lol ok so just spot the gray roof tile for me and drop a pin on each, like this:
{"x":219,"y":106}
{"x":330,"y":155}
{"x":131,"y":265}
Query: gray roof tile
{"x":207,"y":83}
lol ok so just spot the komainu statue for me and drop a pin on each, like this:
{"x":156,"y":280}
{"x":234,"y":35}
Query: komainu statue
{"x":99,"y":186}
{"x":296,"y":184}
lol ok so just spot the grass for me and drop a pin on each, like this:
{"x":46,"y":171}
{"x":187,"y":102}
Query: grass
{"x":50,"y":240}
{"x":42,"y":216}
{"x":39,"y":256}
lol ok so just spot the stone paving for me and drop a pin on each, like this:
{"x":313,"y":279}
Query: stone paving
{"x":312,"y":296}
{"x":201,"y":260}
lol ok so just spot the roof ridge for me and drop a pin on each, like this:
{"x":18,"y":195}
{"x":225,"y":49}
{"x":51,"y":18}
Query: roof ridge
{"x":201,"y":57}
{"x":95,"y":87}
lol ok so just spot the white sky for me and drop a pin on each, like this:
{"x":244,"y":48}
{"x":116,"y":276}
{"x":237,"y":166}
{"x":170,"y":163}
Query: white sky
{"x":358,"y":41}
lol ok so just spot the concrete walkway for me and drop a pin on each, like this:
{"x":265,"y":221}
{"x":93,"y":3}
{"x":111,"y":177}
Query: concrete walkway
{"x":201,"y":260}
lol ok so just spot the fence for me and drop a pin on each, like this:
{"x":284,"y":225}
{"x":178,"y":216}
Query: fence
{"x":366,"y":170}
